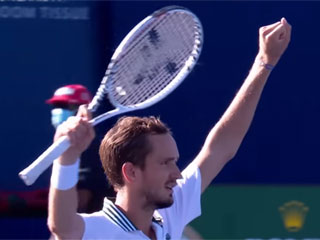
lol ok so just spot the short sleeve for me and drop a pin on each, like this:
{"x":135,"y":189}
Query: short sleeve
{"x":187,"y":202}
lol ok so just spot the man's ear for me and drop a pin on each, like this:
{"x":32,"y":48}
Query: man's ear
{"x":129,"y":172}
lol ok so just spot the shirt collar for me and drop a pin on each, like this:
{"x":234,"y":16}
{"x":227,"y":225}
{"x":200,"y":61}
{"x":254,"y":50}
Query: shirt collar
{"x":115,"y":215}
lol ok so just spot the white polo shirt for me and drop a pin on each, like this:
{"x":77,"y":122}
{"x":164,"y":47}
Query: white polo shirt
{"x":168,"y":223}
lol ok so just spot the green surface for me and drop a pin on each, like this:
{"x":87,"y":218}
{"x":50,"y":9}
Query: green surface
{"x":252,"y":212}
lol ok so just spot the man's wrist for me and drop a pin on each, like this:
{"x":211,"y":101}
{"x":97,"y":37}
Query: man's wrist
{"x":261,"y":56}
{"x":69,"y":157}
{"x":64,"y":177}
{"x":267,"y":66}
{"x":265,"y":61}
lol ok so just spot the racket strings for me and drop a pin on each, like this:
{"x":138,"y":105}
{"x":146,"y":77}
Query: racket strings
{"x":146,"y":54}
{"x":170,"y":58}
{"x":181,"y":50}
{"x":156,"y":57}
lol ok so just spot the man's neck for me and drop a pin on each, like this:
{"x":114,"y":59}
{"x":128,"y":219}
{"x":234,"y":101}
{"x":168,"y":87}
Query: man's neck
{"x":133,"y":207}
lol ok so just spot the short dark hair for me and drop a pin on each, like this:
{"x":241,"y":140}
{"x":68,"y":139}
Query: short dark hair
{"x":127,"y":141}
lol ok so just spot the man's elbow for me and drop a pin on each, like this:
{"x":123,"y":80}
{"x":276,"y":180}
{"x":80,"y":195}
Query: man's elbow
{"x":52,"y":227}
{"x":55,"y":230}
{"x":231,"y":155}
{"x":232,"y":151}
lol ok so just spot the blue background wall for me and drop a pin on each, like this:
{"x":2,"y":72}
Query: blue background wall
{"x":42,"y":52}
{"x":39,"y":54}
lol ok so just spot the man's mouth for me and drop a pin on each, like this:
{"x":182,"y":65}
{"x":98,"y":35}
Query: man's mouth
{"x":170,"y":186}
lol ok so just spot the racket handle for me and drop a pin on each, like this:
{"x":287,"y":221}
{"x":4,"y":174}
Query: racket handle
{"x":30,"y":174}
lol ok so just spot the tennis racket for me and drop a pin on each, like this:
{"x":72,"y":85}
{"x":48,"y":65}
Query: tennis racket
{"x":150,"y":62}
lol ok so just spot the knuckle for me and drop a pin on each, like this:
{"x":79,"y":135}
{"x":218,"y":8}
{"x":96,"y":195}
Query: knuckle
{"x":268,"y":38}
{"x":262,"y":29}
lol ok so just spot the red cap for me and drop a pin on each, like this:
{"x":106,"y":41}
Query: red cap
{"x":73,"y":94}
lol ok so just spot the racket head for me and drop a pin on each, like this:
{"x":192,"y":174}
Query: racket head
{"x":154,"y":58}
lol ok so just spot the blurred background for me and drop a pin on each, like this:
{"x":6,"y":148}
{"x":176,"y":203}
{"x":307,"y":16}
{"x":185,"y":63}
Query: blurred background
{"x":270,"y":190}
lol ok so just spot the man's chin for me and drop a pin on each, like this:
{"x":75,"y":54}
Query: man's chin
{"x":164,"y":204}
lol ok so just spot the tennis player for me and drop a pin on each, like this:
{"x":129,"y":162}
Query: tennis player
{"x":154,"y":199}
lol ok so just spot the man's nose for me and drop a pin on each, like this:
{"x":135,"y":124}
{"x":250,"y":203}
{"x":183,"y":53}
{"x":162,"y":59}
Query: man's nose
{"x":177,"y":173}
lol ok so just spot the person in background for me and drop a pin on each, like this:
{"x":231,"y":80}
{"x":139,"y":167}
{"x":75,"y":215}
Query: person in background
{"x":92,"y":186}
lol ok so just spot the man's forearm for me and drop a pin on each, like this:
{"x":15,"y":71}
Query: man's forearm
{"x":62,"y":208}
{"x":226,"y":136}
{"x":236,"y":120}
{"x":63,"y":201}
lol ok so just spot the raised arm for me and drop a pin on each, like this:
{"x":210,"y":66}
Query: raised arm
{"x":226,"y":136}
{"x":63,"y":220}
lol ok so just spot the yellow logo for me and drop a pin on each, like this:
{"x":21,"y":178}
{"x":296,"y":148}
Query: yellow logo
{"x":293,"y":215}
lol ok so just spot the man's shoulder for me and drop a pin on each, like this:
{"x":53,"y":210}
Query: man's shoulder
{"x":97,"y":225}
{"x":192,"y":171}
{"x":94,"y":217}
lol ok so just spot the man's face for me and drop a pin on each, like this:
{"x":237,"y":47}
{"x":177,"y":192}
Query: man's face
{"x":161,"y":172}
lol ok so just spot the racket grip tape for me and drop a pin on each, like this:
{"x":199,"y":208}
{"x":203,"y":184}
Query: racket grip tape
{"x":30,"y":174}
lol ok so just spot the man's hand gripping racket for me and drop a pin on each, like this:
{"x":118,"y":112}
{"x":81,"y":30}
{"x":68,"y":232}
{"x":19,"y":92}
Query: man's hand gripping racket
{"x":150,"y":62}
